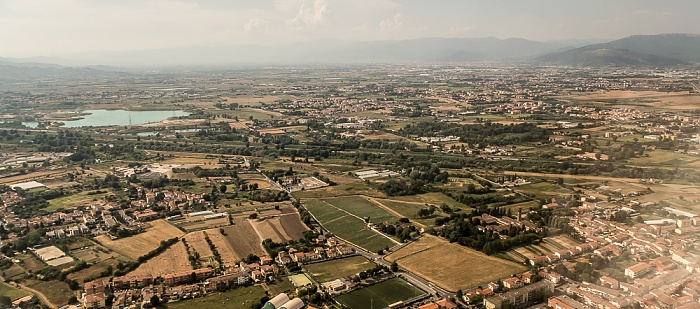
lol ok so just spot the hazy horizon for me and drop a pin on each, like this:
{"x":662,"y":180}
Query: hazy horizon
{"x":65,"y":27}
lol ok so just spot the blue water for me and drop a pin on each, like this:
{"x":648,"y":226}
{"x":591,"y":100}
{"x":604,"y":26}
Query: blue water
{"x":103,"y":117}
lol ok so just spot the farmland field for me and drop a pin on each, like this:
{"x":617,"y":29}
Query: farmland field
{"x":334,"y":269}
{"x":362,"y":208}
{"x":94,"y":270}
{"x":140,"y":244}
{"x":281,"y":228}
{"x":173,"y":260}
{"x":240,"y":241}
{"x":197,"y":243}
{"x":237,"y":298}
{"x":443,"y":263}
{"x":347,"y":226}
{"x":57,"y":292}
{"x":380,"y":295}
{"x":11,"y":292}
{"x":433,"y":198}
{"x":73,"y":201}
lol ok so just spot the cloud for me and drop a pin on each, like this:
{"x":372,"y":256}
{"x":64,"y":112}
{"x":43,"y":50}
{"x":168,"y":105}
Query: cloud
{"x":310,"y":16}
{"x":254,"y":23}
{"x":391,"y":24}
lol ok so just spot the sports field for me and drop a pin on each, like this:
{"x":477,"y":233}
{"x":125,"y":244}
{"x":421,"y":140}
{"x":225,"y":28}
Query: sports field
{"x":334,"y":269}
{"x":347,"y":226}
{"x":380,"y":295}
{"x":299,"y":280}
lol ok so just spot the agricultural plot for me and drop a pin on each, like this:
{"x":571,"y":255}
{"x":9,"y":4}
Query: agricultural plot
{"x":201,"y":224}
{"x":239,"y":241}
{"x":174,"y":259}
{"x":347,"y":227}
{"x":140,"y":244}
{"x":57,"y":292}
{"x":197,"y":243}
{"x":433,"y":198}
{"x":73,"y":201}
{"x":361,"y":207}
{"x":443,"y":263}
{"x":270,"y":228}
{"x":334,"y":269}
{"x":380,"y":295}
{"x":94,"y":270}
{"x":409,"y":210}
{"x":11,"y":292}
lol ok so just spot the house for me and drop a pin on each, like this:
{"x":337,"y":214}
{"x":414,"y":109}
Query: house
{"x":512,"y":283}
{"x":445,"y":304}
{"x":564,"y":302}
{"x":345,"y":249}
{"x":187,"y":276}
{"x":520,"y":297}
{"x":226,"y":281}
{"x":95,"y":301}
{"x":126,"y":282}
{"x":637,"y":270}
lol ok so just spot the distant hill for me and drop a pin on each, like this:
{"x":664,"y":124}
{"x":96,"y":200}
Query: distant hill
{"x":16,"y":70}
{"x":333,"y":52}
{"x":647,"y":50}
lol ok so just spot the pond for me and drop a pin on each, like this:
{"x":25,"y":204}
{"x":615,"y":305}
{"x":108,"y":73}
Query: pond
{"x":103,"y":117}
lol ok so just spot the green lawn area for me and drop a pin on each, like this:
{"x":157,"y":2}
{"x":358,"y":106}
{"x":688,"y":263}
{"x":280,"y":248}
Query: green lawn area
{"x":299,"y":280}
{"x":362,"y":208}
{"x":12,"y":293}
{"x":410,"y":211}
{"x":346,"y":226}
{"x":234,"y":299}
{"x":334,"y":269}
{"x":433,"y":198}
{"x":380,"y":295}
{"x":73,"y":201}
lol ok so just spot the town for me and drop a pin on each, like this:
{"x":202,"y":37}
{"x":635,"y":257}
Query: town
{"x":396,"y":186}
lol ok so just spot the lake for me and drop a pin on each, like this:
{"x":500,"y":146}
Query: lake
{"x":103,"y":117}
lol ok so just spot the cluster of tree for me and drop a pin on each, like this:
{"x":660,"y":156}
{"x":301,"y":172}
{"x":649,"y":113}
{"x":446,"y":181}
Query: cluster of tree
{"x":376,"y":270}
{"x":214,"y":251}
{"x":480,"y":134}
{"x":420,"y":180}
{"x":402,"y":232}
{"x":162,"y":182}
{"x":463,"y":228}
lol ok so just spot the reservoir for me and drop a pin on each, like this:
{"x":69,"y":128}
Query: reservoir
{"x":103,"y":117}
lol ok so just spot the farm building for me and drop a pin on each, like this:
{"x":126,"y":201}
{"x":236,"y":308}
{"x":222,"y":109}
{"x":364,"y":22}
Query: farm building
{"x":27,"y":185}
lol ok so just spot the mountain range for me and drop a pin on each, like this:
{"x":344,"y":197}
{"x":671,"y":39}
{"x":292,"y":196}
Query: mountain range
{"x":637,"y":50}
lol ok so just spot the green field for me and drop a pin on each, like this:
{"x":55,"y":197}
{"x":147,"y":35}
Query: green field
{"x":347,"y":226}
{"x":299,"y":280}
{"x":380,"y":295}
{"x":362,"y":208}
{"x":234,"y":299}
{"x":73,"y":201}
{"x":410,"y":211}
{"x":334,"y":269}
{"x":12,"y":293}
{"x":433,"y":198}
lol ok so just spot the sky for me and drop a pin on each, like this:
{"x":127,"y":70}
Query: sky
{"x":31,"y":28}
